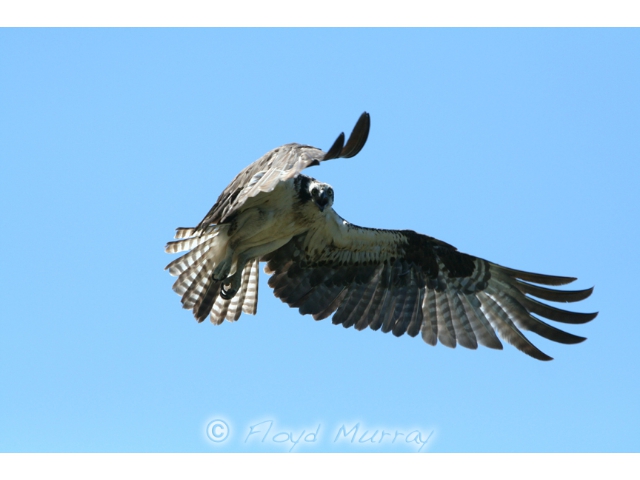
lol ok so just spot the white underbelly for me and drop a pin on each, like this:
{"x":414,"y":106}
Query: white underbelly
{"x":263,"y":229}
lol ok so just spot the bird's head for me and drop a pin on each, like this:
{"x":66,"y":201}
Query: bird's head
{"x":321,"y":194}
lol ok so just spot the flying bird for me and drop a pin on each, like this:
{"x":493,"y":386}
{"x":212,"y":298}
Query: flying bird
{"x":396,"y":281}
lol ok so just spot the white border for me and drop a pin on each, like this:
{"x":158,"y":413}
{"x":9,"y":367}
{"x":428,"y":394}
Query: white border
{"x":335,"y":13}
{"x":397,"y":466}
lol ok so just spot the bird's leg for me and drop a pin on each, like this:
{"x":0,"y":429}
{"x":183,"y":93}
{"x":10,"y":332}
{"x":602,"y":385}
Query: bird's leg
{"x":235,"y":281}
{"x":232,"y":284}
{"x":224,"y":267}
{"x":246,"y":225}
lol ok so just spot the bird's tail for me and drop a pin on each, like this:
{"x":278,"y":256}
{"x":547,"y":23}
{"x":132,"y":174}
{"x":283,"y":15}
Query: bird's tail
{"x":195,"y":283}
{"x":245,"y":300}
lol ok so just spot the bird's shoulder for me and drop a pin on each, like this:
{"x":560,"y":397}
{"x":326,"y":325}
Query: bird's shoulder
{"x":262,"y":176}
{"x":335,"y":240}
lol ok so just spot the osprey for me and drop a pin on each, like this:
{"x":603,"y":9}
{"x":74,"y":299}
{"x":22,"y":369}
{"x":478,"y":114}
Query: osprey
{"x":394,"y":280}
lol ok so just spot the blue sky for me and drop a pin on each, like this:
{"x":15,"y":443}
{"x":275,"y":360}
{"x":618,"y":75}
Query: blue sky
{"x":518,"y":146}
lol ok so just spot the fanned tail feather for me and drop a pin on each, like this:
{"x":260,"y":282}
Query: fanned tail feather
{"x":195,"y":283}
{"x":250,"y":304}
{"x":186,"y":240}
{"x":245,"y":300}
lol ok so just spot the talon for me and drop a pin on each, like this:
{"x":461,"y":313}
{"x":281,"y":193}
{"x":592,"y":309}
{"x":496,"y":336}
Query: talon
{"x":227,"y":294}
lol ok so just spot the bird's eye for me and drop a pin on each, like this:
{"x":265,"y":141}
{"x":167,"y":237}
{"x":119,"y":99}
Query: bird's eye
{"x":314,"y":191}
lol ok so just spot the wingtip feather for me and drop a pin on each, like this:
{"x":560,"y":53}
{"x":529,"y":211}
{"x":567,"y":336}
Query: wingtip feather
{"x":358,"y":137}
{"x":336,"y":148}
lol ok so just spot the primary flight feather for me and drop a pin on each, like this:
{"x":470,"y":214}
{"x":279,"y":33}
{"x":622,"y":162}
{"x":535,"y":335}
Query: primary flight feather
{"x":397,"y":281}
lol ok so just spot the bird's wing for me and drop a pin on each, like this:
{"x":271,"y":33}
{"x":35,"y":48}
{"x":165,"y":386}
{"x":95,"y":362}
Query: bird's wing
{"x":279,"y":165}
{"x":405,"y":282}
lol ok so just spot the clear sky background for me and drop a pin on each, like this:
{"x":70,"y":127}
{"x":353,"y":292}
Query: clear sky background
{"x":518,"y":146}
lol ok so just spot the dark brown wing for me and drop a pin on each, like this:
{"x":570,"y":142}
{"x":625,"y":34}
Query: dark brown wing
{"x":404,"y":282}
{"x":279,"y":165}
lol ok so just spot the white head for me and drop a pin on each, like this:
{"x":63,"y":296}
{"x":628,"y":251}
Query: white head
{"x":321,"y":194}
{"x":311,"y":190}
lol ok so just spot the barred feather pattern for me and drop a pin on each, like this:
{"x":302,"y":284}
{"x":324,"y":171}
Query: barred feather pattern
{"x":245,"y":300}
{"x":195,"y":275}
{"x":393,"y":281}
{"x":199,"y":246}
{"x":278,"y":165}
{"x":455,"y":299}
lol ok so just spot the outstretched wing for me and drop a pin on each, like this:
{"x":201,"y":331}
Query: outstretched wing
{"x":278,"y":165}
{"x":405,"y":282}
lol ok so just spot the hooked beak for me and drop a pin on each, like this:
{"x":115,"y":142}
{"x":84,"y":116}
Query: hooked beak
{"x":322,"y":201}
